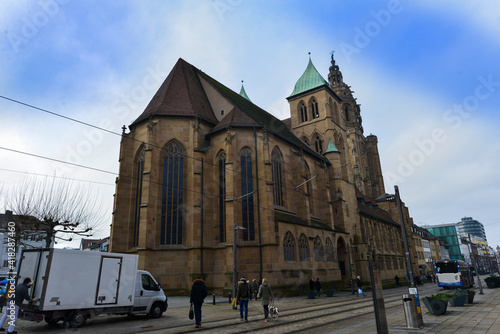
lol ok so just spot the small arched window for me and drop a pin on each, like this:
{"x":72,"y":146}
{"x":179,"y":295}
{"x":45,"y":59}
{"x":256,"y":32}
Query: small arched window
{"x":303,"y":248}
{"x":289,"y":247}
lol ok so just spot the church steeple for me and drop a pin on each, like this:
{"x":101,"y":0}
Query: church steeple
{"x":310,"y":79}
{"x":335,"y":75}
{"x":243,"y":93}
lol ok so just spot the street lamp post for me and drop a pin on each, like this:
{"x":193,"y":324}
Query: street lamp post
{"x":413,"y":290}
{"x":235,"y":239}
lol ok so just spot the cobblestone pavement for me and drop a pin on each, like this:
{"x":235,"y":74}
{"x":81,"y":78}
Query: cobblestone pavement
{"x":483,"y":316}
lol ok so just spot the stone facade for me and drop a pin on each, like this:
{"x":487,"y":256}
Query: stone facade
{"x":202,"y":159}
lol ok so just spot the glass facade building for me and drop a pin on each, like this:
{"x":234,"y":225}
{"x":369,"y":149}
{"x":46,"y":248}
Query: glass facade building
{"x":470,"y":226}
{"x":448,"y":233}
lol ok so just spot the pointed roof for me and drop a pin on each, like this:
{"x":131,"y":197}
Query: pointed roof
{"x":181,"y":94}
{"x":248,"y":115}
{"x":310,"y":79}
{"x":243,"y":93}
{"x":331,"y":147}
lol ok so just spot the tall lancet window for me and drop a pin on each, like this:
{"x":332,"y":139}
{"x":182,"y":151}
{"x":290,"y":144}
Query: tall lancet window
{"x":318,"y":145}
{"x":277,"y":168}
{"x":314,"y":109}
{"x":222,"y":197}
{"x":247,"y":195}
{"x":303,"y":112}
{"x":139,"y":172}
{"x":172,"y":195}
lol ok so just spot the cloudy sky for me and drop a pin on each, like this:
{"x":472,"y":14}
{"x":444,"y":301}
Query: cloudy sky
{"x":426,"y":75}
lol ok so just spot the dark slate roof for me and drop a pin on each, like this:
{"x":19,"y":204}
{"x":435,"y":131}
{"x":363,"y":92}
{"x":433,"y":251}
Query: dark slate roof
{"x":370,"y":208}
{"x":247,"y":114}
{"x":181,"y":94}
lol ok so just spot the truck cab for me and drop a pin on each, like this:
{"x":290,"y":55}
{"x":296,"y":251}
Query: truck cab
{"x":149,"y":297}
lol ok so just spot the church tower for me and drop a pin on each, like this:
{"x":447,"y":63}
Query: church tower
{"x":363,"y":150}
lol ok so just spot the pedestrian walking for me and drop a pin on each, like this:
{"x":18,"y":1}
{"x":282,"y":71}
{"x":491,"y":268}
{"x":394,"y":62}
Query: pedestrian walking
{"x":360,"y":288}
{"x":16,"y":300}
{"x":396,"y":278}
{"x":198,"y":294}
{"x":317,"y":285}
{"x":242,"y":296}
{"x":266,"y":293}
{"x":255,"y":289}
{"x":311,"y":284}
{"x":250,"y":290}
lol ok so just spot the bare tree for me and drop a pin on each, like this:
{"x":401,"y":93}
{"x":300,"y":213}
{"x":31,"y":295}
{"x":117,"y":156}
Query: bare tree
{"x":60,"y":208}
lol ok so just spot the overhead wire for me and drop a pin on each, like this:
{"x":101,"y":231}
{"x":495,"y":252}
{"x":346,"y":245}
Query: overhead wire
{"x":291,"y":187}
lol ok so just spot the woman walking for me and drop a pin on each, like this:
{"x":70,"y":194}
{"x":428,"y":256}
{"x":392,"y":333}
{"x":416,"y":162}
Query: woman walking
{"x":266,"y":294}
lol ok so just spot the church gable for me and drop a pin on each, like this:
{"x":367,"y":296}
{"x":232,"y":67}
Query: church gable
{"x":181,"y":94}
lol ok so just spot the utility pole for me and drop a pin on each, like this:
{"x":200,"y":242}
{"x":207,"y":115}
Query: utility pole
{"x":473,"y":257}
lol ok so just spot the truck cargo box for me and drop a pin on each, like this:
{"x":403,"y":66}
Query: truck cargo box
{"x":73,"y":279}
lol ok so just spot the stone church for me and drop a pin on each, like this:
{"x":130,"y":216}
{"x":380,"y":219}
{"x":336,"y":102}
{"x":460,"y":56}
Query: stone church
{"x":203,"y":163}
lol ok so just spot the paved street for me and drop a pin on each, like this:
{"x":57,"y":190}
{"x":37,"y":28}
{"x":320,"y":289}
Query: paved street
{"x":480,"y":317}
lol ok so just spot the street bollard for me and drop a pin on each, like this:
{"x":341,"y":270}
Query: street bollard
{"x":214,"y":299}
{"x":230,"y":298}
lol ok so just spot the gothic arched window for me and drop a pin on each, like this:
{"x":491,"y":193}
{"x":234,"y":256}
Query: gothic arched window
{"x":289,"y":247}
{"x":346,"y":113}
{"x":318,"y":145}
{"x":247,"y":193}
{"x":303,"y":248}
{"x":172,"y":195}
{"x":138,"y":194}
{"x":277,"y":168}
{"x":329,"y":250}
{"x":318,"y":250}
{"x":222,"y":197}
{"x":314,"y":109}
{"x":308,"y":189}
{"x":303,"y":112}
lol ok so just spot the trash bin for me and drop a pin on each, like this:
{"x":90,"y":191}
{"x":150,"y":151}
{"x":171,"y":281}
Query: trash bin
{"x":410,"y":308}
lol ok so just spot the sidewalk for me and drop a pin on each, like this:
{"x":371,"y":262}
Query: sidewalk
{"x":483,"y":316}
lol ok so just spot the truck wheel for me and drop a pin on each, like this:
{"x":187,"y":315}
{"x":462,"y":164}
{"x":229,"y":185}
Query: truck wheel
{"x":51,"y":321}
{"x":77,"y":319}
{"x":156,"y":310}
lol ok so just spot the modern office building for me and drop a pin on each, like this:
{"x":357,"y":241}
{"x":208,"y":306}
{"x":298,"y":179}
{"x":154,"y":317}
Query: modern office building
{"x":468,"y":226}
{"x":449,"y":235}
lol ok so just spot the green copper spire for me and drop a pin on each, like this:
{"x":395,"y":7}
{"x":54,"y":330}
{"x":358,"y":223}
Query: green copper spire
{"x":331,"y":147}
{"x":309,"y":80}
{"x":243,"y":93}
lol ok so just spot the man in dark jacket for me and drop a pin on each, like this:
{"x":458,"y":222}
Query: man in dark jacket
{"x":242,"y":296}
{"x":198,"y":294}
{"x":20,"y":294}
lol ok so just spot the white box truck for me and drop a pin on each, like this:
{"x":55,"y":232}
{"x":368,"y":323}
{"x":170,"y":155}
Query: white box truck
{"x":74,"y":285}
